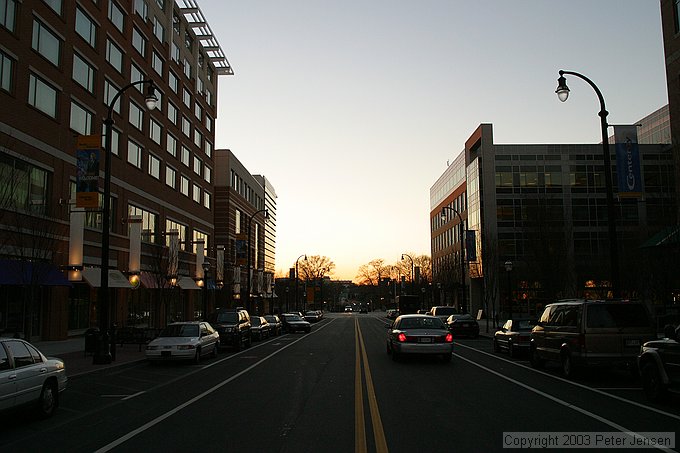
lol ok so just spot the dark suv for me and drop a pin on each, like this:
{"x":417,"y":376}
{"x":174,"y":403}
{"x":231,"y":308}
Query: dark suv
{"x":233,"y":325}
{"x":659,"y":364}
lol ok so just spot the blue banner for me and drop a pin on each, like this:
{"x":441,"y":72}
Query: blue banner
{"x":628,"y":162}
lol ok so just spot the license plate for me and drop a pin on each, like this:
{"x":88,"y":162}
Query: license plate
{"x":632,"y":343}
{"x":426,"y":340}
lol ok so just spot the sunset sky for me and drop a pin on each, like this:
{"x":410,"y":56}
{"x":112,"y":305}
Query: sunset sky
{"x":353,"y":108}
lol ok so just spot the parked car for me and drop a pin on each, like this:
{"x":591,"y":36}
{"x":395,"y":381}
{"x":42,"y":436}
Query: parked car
{"x":292,"y":322}
{"x":463,"y":325}
{"x":233,"y":325}
{"x":27,"y":377}
{"x":275,"y":324}
{"x":586,"y":333}
{"x":259,"y":328}
{"x":419,"y":334}
{"x":391,"y":313}
{"x":189,"y":340}
{"x":659,"y":365}
{"x":443,"y":311}
{"x":312,"y":316}
{"x":363,"y":309}
{"x":514,"y":336}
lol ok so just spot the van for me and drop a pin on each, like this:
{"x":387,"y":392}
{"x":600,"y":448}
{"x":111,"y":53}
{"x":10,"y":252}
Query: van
{"x":588,"y":333}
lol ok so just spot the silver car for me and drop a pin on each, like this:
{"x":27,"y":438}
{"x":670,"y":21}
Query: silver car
{"x":419,"y":334}
{"x":28,"y":377}
{"x":184,"y":341}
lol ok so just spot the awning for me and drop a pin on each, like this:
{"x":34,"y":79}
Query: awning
{"x":116,"y":278}
{"x":20,"y":272}
{"x":187,"y":283}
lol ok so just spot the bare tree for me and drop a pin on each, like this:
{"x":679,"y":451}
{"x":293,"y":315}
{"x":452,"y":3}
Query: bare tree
{"x":371,"y":273}
{"x":315,"y":267}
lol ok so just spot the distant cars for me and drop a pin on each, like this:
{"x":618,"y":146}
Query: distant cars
{"x":363,"y":309}
{"x":463,"y":325}
{"x":348,"y":309}
{"x":259,"y":328}
{"x":189,"y":340}
{"x":233,"y":325}
{"x":391,"y":313}
{"x":659,"y":365}
{"x":514,"y":336}
{"x":419,"y":334}
{"x":443,"y":311}
{"x":27,"y":377}
{"x":312,"y":316}
{"x":294,"y":323}
{"x":591,"y":333}
{"x":275,"y":324}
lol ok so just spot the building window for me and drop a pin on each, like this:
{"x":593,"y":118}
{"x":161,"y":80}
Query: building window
{"x":172,"y":113}
{"x":200,"y":237}
{"x":139,"y":42}
{"x":157,"y":63}
{"x":237,"y":222}
{"x":114,"y":56}
{"x":54,"y":4}
{"x":134,"y":154}
{"x":116,"y":16}
{"x":187,"y":68}
{"x":155,"y":131}
{"x":136,"y":116}
{"x":6,"y":71}
{"x":184,"y":185}
{"x":207,"y":199}
{"x":171,"y":145}
{"x":110,"y":91}
{"x":149,"y":222}
{"x":86,"y":28}
{"x":172,"y":81}
{"x":186,"y":126}
{"x":198,"y":165}
{"x":198,"y":137}
{"x":42,"y":96}
{"x":208,"y":122}
{"x":29,"y":184}
{"x":208,"y":148}
{"x":136,"y":75}
{"x":171,"y":177}
{"x":197,"y":193}
{"x":181,"y":230}
{"x":207,"y":173}
{"x":208,"y":97}
{"x":83,"y":73}
{"x":186,"y":97}
{"x":175,"y":22}
{"x":185,"y":155}
{"x":188,"y":41}
{"x":46,"y":43}
{"x":158,"y":30}
{"x":676,"y":14}
{"x":8,"y":9}
{"x":198,"y":111}
{"x":115,"y":139}
{"x":154,"y":166}
{"x":141,"y":8}
{"x":81,"y":119}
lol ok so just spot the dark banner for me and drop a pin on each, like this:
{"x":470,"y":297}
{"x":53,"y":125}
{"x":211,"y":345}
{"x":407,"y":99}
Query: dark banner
{"x":87,"y":174}
{"x":628,"y":162}
{"x":470,"y":245}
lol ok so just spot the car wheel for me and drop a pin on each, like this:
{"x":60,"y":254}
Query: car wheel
{"x":511,"y":350}
{"x":567,"y":365}
{"x":215,"y":350}
{"x":651,"y":383}
{"x":534,"y":359}
{"x":197,"y":357}
{"x":496,"y":347}
{"x":48,"y":400}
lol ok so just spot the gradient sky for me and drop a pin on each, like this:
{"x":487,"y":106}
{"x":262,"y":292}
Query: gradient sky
{"x":352,"y":108}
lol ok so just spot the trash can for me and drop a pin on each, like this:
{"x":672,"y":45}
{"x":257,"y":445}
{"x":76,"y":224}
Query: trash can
{"x":91,"y":341}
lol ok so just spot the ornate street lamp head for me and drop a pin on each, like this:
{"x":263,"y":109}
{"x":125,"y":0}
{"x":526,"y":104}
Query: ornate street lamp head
{"x":562,"y":88}
{"x":151,"y":98}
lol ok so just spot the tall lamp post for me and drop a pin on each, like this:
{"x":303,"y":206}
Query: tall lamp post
{"x":206,"y":269}
{"x":409,"y":257}
{"x":508,"y":269}
{"x":297,"y":301}
{"x":563,"y":93}
{"x":103,"y":354}
{"x":250,"y":220}
{"x":462,"y":251}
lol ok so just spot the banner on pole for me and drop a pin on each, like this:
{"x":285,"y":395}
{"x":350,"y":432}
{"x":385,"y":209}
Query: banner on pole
{"x":88,"y":153}
{"x":628,"y":162}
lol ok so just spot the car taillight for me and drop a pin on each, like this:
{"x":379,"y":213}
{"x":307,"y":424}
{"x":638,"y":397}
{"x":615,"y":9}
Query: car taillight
{"x":401,"y":337}
{"x":449,"y":338}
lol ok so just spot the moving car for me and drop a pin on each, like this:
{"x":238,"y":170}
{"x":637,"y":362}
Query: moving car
{"x":391,"y":313}
{"x":27,"y":377}
{"x":588,"y":333}
{"x":514,"y":336}
{"x":443,"y":311}
{"x":348,"y":309}
{"x":233,"y":325}
{"x":275,"y":324}
{"x":463,"y":325}
{"x":419,"y":334}
{"x":259,"y":328}
{"x":312,"y":316}
{"x":659,"y":365}
{"x":294,"y":323}
{"x":184,"y":341}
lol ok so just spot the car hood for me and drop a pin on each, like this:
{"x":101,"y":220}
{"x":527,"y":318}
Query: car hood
{"x":173,"y":341}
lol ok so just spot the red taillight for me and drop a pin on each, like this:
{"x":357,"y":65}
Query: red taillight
{"x":449,"y":338}
{"x":401,"y":337}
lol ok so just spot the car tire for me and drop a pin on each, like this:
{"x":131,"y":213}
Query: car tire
{"x":197,"y":357}
{"x":534,"y":359}
{"x":567,"y":365}
{"x":652,"y":384}
{"x":215,"y":350}
{"x":48,"y":401}
{"x":496,"y":347}
{"x":511,"y":350}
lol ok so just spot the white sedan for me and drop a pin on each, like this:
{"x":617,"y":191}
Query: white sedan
{"x":184,"y":341}
{"x":28,"y":377}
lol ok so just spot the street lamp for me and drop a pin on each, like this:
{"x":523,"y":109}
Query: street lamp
{"x":563,"y":93}
{"x":508,"y":269}
{"x":103,"y":355}
{"x":250,"y":219}
{"x":206,"y":269}
{"x":409,"y":257}
{"x":462,"y":251}
{"x":296,"y":281}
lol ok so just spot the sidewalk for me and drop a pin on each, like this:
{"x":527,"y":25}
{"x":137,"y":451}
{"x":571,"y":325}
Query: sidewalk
{"x":77,"y":363}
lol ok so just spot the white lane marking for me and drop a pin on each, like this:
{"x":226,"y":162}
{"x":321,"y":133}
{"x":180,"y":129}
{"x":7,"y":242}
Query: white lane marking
{"x":168,"y":414}
{"x":610,"y":423}
{"x":634,"y":403}
{"x":134,"y":395}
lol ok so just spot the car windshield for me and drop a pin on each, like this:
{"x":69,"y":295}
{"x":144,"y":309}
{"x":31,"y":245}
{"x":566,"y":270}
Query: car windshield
{"x":180,"y":330}
{"x":421,"y":323}
{"x":226,"y":316}
{"x":270,"y":318}
{"x":292,"y":318}
{"x":523,"y":324}
{"x":255,"y":321}
{"x":465,"y":317}
{"x":617,"y":315}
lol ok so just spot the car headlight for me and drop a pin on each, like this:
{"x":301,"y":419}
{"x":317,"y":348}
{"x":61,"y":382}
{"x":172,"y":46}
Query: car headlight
{"x":151,"y":347}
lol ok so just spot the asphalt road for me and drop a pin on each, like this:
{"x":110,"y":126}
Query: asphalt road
{"x":336,"y":390}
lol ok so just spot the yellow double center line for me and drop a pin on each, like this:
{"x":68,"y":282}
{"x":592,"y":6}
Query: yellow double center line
{"x":359,"y":421}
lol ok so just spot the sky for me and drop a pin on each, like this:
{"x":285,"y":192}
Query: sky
{"x":352,"y":108}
